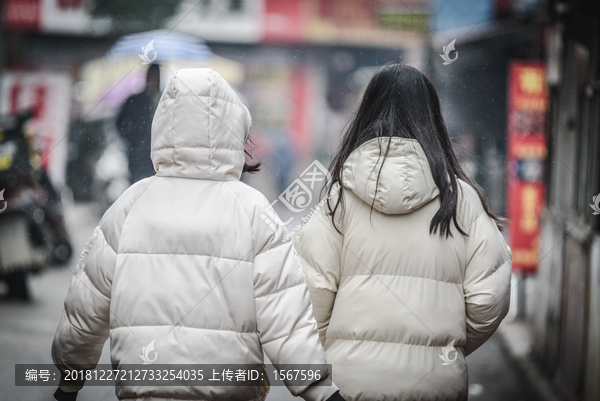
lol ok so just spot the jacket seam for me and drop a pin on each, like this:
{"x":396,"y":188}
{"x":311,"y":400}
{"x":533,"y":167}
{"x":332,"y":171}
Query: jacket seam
{"x":399,"y":275}
{"x":463,"y":204}
{"x":186,"y":327}
{"x":184,"y":254}
{"x":378,"y":191}
{"x":262,"y":252}
{"x":495,"y":269}
{"x":84,"y":271}
{"x":499,"y":265}
{"x":475,"y":220}
{"x":209,"y":110}
{"x":198,"y":147}
{"x":86,"y":250}
{"x":241,"y":206}
{"x":405,"y":175}
{"x":226,"y":101}
{"x":176,"y":398}
{"x":129,"y":211}
{"x":391,"y":342}
{"x":213,"y":97}
{"x":423,"y":170}
{"x":278,"y":291}
{"x":287,"y":335}
{"x":166,"y":175}
{"x":105,"y":240}
{"x":87,"y":333}
{"x":171,"y":126}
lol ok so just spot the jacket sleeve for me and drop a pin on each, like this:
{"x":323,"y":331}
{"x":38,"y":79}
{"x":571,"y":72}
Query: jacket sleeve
{"x":319,"y":245}
{"x":486,"y":282}
{"x":285,"y":322}
{"x":84,"y":326}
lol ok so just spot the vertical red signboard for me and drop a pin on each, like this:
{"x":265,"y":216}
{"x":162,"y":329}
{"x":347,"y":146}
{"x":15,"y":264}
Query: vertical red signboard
{"x":527,"y":149}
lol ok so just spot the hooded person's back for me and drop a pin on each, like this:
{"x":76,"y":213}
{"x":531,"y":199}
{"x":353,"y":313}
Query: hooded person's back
{"x":184,"y":259}
{"x":399,"y":308}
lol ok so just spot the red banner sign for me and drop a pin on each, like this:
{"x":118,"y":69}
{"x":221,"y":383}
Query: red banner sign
{"x":48,"y":95}
{"x":61,"y":16}
{"x":527,"y":149}
{"x":21,"y":15}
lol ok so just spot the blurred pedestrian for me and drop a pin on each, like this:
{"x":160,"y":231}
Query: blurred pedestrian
{"x":134,"y":123}
{"x":407,"y":270}
{"x":184,"y":264}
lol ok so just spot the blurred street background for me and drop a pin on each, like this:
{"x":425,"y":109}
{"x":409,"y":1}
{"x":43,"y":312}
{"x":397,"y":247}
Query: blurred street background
{"x":519,"y":84}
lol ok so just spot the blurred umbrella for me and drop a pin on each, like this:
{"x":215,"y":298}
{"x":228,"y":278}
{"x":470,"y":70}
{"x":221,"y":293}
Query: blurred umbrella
{"x":107,"y":81}
{"x":166,"y":46}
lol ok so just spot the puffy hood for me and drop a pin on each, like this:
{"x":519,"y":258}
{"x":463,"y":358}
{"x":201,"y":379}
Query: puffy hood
{"x":199,"y":128}
{"x":405,"y":183}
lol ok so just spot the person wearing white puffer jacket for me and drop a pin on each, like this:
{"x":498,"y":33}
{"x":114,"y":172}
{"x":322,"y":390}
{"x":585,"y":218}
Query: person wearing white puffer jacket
{"x":184,"y":259}
{"x":407,"y":270}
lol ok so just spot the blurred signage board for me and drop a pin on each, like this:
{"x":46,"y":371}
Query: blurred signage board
{"x":55,"y":16}
{"x":21,"y":15}
{"x":237,"y":21}
{"x":526,"y":151}
{"x":49,"y":96}
{"x":386,"y":23}
{"x":383,"y":23}
{"x":451,"y":14}
{"x":285,"y":96}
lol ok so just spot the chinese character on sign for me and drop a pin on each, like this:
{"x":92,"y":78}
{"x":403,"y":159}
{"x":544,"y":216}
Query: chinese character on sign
{"x":31,"y":375}
{"x":215,"y":376}
{"x":532,"y":80}
{"x":530,"y":203}
{"x":227,"y":375}
{"x":44,"y":375}
{"x":240,"y":375}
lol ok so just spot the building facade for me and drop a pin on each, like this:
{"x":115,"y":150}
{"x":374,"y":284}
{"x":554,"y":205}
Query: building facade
{"x":565,"y":307}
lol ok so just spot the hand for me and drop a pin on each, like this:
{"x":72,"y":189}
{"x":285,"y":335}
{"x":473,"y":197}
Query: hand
{"x":64,"y":396}
{"x":336,"y":397}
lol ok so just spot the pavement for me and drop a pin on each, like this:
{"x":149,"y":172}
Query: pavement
{"x":496,"y":371}
{"x":517,"y":339}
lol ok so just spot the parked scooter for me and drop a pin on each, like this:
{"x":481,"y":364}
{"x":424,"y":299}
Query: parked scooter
{"x":32,"y":228}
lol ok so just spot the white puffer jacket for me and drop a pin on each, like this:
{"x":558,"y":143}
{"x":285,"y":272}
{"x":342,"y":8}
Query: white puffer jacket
{"x":185,"y":259}
{"x":389,"y":298}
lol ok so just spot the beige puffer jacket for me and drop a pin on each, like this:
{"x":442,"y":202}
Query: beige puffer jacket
{"x":185,"y":259}
{"x":387,"y":295}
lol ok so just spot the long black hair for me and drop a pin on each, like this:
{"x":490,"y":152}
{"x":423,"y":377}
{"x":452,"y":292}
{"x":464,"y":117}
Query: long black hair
{"x":400,"y":101}
{"x":249,"y":146}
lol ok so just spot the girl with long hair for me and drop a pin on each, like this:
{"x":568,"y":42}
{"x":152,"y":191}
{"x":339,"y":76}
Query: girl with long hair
{"x":407,"y":270}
